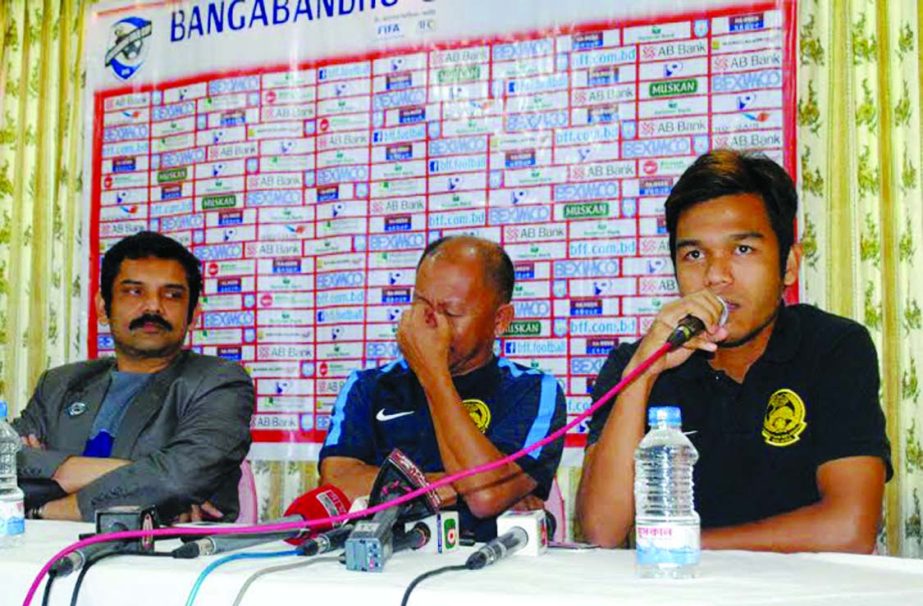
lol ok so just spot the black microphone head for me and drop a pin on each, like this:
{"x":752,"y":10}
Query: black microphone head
{"x":687,"y":328}
{"x":397,"y":476}
{"x":187,"y":551}
{"x":62,"y":567}
{"x":476,"y":561}
{"x":421,"y":535}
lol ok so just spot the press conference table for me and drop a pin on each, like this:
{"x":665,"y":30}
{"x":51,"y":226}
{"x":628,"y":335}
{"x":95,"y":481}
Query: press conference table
{"x":559,"y":577}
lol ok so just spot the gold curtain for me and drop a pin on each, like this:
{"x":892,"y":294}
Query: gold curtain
{"x":859,"y":146}
{"x":41,"y":248}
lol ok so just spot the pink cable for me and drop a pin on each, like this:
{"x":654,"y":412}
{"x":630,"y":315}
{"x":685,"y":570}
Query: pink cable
{"x":283,"y":526}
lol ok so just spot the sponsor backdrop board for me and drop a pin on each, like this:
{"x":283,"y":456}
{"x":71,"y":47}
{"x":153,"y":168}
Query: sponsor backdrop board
{"x":308,"y":150}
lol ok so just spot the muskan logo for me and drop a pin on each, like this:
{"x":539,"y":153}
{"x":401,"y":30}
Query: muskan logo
{"x":127,"y":48}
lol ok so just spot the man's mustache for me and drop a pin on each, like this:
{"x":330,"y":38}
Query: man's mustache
{"x":149,"y":318}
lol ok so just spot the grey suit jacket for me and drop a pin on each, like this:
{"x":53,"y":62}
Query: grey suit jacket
{"x":186,"y":433}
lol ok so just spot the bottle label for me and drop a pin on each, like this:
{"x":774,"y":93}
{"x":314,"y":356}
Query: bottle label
{"x":667,"y":544}
{"x":12,"y":518}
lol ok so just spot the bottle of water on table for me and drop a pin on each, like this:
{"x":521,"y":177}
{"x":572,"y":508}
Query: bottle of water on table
{"x":666,"y":525}
{"x":12,"y":512}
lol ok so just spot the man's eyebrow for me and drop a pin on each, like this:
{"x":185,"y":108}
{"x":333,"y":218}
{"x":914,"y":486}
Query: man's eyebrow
{"x":451,"y":302}
{"x":744,"y":235}
{"x":173,"y":285}
{"x":747,"y":235}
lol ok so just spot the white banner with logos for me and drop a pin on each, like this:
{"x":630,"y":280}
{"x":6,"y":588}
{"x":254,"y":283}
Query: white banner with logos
{"x":307,"y":150}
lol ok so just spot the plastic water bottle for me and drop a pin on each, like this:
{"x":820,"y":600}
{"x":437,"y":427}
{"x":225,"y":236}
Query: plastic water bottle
{"x":667,"y":529}
{"x":12,"y":512}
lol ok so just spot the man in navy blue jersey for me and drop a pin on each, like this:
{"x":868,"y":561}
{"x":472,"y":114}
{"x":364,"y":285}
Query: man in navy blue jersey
{"x":450,"y":403}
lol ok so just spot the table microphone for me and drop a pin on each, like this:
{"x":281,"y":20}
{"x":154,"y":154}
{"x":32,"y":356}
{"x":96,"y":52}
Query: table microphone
{"x":372,"y":541}
{"x":78,"y":558}
{"x":119,"y":518}
{"x":322,"y":502}
{"x":326,"y":541}
{"x":524,"y":530}
{"x":506,"y":544}
{"x":415,"y":538}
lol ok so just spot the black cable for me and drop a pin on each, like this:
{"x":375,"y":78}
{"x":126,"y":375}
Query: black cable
{"x":83,"y":571}
{"x":427,"y":575}
{"x":47,"y":593}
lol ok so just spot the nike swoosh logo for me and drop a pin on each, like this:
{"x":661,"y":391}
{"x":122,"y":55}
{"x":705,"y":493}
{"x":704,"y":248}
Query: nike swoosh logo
{"x":381,"y":416}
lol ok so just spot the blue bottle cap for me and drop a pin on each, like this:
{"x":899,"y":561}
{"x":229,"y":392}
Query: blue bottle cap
{"x":664,"y":415}
{"x":3,"y":410}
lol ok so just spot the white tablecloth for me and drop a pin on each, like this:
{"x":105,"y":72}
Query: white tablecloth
{"x":560,"y":578}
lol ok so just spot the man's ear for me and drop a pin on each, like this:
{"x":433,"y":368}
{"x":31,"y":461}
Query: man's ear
{"x":503,"y":319}
{"x":101,"y":307}
{"x":792,"y":264}
{"x":195,"y":318}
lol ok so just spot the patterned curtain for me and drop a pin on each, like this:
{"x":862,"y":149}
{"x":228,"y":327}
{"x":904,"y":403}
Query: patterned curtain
{"x":859,"y":144}
{"x":41,"y":95}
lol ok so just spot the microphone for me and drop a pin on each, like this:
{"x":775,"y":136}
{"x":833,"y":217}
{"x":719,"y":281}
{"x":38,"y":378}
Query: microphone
{"x":322,"y":502}
{"x":326,"y":541}
{"x":371,"y":542}
{"x":525,"y":531}
{"x":221,"y":543}
{"x":690,"y":326}
{"x":112,"y":519}
{"x":77,"y":559}
{"x":415,"y":538}
{"x":506,"y":544}
{"x":443,"y":529}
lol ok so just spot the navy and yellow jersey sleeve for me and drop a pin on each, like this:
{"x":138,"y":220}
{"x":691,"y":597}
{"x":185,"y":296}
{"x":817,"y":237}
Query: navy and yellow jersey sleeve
{"x":350,"y":433}
{"x":535,"y":408}
{"x":609,"y":376}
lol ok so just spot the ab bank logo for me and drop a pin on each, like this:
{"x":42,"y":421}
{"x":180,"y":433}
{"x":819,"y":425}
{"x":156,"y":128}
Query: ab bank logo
{"x":127,"y":46}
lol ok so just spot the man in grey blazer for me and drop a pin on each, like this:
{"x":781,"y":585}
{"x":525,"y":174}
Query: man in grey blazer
{"x":156,"y":425}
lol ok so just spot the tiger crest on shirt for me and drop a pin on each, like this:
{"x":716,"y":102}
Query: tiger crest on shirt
{"x":479,"y":413}
{"x":784,"y":420}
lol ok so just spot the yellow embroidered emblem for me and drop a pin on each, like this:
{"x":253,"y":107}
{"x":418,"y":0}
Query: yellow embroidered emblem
{"x":784,"y":421}
{"x":478,"y":412}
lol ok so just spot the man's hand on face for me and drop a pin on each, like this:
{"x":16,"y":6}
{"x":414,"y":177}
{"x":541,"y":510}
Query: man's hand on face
{"x":424,"y":337}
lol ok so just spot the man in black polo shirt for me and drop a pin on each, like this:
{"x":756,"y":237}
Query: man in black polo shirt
{"x":781,"y":402}
{"x":451,"y":404}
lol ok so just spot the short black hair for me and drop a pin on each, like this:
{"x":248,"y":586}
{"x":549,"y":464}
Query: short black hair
{"x":724,"y":172}
{"x":498,"y":267}
{"x":143,"y":245}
